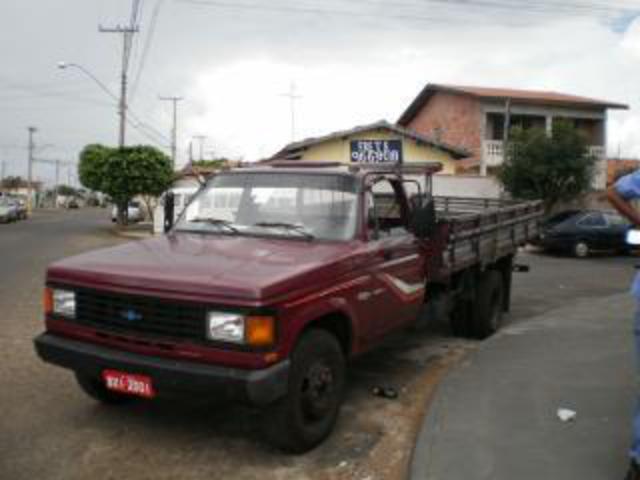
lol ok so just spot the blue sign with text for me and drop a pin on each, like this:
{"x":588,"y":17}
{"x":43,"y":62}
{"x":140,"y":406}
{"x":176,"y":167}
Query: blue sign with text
{"x":376,"y":151}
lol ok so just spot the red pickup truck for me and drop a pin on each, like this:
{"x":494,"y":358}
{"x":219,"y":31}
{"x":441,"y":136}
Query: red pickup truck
{"x":271,"y":279}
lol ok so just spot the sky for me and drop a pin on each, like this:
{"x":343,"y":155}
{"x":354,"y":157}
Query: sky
{"x":352,"y":62}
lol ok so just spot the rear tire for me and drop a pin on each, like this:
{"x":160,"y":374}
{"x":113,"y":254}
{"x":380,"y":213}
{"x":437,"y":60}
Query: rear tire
{"x":95,"y":389}
{"x":306,"y":415}
{"x":489,"y":304}
{"x":461,"y":319}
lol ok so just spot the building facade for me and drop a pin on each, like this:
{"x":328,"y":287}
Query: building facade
{"x":380,"y":142}
{"x":478,"y":118}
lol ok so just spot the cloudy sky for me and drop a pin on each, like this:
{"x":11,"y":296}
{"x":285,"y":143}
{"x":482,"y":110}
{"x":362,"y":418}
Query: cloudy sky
{"x":352,"y":61}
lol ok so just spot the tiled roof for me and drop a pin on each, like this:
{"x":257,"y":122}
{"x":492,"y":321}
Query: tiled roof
{"x":525,"y":96}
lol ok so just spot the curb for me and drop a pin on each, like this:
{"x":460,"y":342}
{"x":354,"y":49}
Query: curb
{"x":133,"y":235}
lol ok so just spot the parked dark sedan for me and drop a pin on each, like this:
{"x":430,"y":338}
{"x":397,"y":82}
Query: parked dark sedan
{"x":581,"y":231}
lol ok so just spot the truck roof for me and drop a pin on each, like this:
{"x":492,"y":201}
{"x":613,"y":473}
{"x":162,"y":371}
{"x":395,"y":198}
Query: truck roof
{"x":337,"y":168}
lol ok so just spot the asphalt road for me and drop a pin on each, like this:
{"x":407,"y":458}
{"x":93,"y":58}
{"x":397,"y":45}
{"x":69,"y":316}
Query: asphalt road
{"x":50,"y":430}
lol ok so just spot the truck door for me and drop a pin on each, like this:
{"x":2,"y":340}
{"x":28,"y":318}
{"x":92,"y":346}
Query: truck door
{"x":398,"y":261}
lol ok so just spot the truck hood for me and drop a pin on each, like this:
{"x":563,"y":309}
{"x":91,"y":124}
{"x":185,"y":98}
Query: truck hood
{"x":220,"y":268}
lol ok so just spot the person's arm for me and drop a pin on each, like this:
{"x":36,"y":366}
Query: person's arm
{"x":623,"y":206}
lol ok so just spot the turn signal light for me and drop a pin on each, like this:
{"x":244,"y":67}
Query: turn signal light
{"x":47,"y":301}
{"x":260,"y":331}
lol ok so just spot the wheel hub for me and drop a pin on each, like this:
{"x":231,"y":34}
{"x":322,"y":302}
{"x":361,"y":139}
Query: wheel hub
{"x":317,"y":390}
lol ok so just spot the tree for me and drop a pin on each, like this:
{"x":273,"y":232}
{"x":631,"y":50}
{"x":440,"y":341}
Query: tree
{"x":126,"y":172}
{"x":92,"y":166}
{"x":66,"y":191}
{"x":13,"y":183}
{"x":553,"y":168}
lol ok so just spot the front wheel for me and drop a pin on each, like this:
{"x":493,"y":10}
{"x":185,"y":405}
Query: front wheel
{"x":306,"y":415}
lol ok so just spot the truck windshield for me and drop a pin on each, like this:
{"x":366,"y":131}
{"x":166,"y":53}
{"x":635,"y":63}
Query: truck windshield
{"x":305,"y":206}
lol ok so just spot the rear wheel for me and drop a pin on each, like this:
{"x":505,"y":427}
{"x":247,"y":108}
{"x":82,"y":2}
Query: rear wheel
{"x":306,"y":415}
{"x":461,"y":318}
{"x":93,"y":387}
{"x":489,"y":304}
{"x":581,"y":249}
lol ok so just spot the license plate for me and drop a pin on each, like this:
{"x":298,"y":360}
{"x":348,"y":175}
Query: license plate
{"x":128,"y":383}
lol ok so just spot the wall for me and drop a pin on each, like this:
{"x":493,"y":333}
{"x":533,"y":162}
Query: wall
{"x":468,"y":186}
{"x":339,"y":150}
{"x":459,"y":118}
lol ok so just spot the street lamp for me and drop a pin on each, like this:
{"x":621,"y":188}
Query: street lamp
{"x":122,"y":105}
{"x":66,"y":65}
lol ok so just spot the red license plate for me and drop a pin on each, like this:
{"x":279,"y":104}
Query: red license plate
{"x":129,"y":383}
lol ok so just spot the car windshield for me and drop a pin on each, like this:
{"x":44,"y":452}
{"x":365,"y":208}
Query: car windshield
{"x":305,"y":206}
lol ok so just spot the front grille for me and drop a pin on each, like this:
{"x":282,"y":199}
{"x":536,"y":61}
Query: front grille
{"x":120,"y":313}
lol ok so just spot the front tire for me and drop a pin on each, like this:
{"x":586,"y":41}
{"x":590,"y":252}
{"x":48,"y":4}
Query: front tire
{"x":306,"y":415}
{"x":95,"y":389}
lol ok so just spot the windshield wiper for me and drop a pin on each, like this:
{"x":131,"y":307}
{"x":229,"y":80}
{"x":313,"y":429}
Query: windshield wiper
{"x":219,"y":222}
{"x":287,"y":226}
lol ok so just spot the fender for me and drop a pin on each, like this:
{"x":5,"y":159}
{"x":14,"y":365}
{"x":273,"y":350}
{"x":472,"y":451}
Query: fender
{"x":301,"y":313}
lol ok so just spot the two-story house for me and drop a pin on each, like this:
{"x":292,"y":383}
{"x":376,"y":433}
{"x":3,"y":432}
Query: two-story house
{"x":475,"y":118}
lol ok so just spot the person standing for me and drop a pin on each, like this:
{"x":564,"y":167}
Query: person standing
{"x":620,"y":195}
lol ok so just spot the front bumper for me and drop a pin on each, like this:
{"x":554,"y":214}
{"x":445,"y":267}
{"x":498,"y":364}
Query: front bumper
{"x":254,"y":387}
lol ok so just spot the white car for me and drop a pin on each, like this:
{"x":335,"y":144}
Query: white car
{"x":134,"y":212}
{"x":8,"y":211}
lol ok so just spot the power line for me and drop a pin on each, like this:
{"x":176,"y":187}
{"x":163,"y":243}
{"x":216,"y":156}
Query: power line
{"x":147,"y":47}
{"x":551,"y":8}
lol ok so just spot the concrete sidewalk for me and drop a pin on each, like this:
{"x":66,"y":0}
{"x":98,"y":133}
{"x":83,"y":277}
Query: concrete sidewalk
{"x":495,"y":417}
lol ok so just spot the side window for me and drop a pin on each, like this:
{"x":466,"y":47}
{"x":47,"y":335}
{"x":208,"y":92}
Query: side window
{"x":384,"y":212}
{"x":616,"y":220}
{"x":593,"y":220}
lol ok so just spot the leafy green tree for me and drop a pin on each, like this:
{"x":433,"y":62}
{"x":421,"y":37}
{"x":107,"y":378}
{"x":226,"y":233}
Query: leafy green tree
{"x":553,"y":168}
{"x":67,"y":191}
{"x":91,"y":169}
{"x":126,"y":172}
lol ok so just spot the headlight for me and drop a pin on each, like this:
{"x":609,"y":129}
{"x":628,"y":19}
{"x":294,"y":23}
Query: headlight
{"x":64,"y":303}
{"x":256,"y":331}
{"x":225,"y":327}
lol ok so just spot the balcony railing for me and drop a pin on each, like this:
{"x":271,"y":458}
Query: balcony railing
{"x":493,"y":152}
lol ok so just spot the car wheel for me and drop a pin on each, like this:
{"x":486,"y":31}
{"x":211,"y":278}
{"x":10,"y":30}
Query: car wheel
{"x":95,"y":389}
{"x":489,"y":305}
{"x":581,"y":249}
{"x":306,"y":415}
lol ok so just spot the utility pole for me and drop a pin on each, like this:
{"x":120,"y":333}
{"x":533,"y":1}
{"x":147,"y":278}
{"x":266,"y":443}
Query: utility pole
{"x":201,"y":139}
{"x":291,"y":95}
{"x":32,"y":147}
{"x":55,"y":190}
{"x":3,"y":167}
{"x":174,"y":129}
{"x":127,"y":32}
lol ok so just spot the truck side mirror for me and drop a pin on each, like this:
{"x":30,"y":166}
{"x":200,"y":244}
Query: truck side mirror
{"x":169,"y":207}
{"x":423,"y":219}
